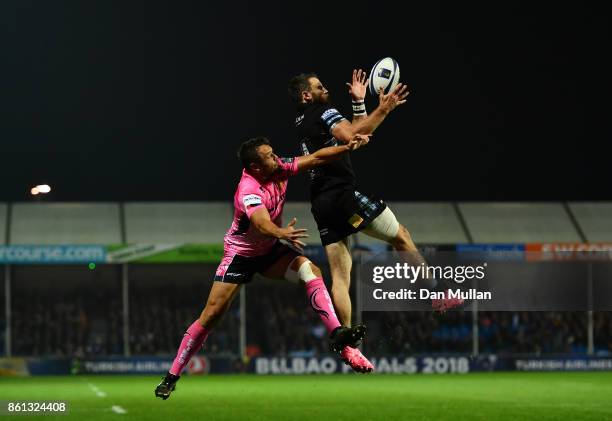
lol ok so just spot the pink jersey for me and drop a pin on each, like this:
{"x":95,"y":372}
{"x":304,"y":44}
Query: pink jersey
{"x":243,"y":238}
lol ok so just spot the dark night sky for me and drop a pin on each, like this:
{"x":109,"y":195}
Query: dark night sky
{"x":149,"y":100}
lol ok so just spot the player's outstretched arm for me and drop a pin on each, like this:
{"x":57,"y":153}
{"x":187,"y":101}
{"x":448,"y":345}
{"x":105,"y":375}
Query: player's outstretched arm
{"x":344,"y":131}
{"x":261,"y":220}
{"x":326,"y":155}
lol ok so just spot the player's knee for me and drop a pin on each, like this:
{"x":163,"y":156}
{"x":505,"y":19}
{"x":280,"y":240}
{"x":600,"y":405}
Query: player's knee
{"x":297,"y":262}
{"x":209,"y":312}
{"x":214,"y":310}
{"x":315,"y":269}
{"x":210,"y":316}
{"x":302,"y":270}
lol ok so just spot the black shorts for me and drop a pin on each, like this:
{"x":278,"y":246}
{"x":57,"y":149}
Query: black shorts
{"x":237,"y":269}
{"x":340,"y":213}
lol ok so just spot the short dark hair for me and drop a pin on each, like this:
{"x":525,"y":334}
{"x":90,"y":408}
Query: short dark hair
{"x":299,"y":84}
{"x":247,"y":152}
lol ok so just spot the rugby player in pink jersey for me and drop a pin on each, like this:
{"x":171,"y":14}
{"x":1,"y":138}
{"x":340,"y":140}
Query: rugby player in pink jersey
{"x":252,"y":246}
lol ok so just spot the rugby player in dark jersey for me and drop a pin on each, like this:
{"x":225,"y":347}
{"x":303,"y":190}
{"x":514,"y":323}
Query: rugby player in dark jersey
{"x":338,"y":207}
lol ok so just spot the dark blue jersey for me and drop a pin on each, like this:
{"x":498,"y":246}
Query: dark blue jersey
{"x":314,"y":125}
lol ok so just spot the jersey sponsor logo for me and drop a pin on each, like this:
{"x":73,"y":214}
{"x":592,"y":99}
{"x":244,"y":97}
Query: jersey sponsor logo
{"x":251,"y":200}
{"x":332,"y":112}
{"x":355,"y":220}
{"x":331,"y":118}
{"x":233,"y":274}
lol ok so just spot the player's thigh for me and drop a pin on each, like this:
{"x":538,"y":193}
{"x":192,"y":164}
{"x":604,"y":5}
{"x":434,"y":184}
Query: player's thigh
{"x":340,"y":260}
{"x":278,"y":268}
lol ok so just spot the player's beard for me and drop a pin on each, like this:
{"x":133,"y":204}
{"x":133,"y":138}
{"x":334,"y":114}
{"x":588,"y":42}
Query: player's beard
{"x":323,"y":99}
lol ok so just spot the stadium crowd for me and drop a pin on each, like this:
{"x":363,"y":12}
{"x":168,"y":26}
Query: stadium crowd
{"x":85,"y":323}
{"x":60,"y":323}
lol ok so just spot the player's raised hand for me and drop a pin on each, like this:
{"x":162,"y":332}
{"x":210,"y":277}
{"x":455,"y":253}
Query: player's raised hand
{"x":293,"y":235}
{"x":394,"y":98}
{"x":358,"y":86}
{"x":358,"y":141}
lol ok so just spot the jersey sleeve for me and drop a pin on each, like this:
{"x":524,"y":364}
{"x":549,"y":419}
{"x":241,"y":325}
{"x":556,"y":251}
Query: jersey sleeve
{"x":330,"y":117}
{"x":250,"y":200}
{"x":286,"y":168}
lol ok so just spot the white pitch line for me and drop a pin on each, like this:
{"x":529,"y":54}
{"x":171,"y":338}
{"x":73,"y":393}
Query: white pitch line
{"x":115,"y":408}
{"x":97,"y":391}
{"x":118,"y":410}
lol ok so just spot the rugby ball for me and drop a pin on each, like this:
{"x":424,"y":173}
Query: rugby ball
{"x":385,"y":74}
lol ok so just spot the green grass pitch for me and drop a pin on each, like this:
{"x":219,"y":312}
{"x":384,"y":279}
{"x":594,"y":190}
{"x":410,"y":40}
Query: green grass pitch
{"x":485,"y":396}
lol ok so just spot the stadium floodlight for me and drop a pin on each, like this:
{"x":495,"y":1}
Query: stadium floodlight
{"x":43,"y":188}
{"x":40,"y":189}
